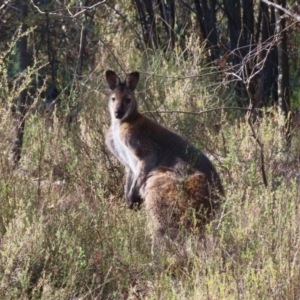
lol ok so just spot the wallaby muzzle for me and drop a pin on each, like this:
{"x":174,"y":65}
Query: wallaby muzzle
{"x":119,"y":113}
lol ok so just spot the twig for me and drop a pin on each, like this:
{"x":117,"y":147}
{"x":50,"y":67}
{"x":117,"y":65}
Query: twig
{"x":195,"y":112}
{"x":84,"y":8}
{"x":6,"y":3}
{"x":255,"y":136}
{"x":112,"y":53}
{"x":297,"y":17}
{"x":261,"y":145}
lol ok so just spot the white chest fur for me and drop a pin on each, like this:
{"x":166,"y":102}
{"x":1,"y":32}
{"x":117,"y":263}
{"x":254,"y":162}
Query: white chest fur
{"x":124,"y":153}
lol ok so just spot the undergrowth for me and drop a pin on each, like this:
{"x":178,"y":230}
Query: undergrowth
{"x":65,"y":230}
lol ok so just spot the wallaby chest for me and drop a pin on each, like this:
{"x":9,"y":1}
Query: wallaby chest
{"x":121,"y":144}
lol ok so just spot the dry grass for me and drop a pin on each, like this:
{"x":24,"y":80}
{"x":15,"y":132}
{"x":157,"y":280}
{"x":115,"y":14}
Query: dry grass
{"x":65,"y":231}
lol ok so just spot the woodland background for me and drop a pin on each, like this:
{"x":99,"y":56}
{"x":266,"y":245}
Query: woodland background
{"x":225,"y":74}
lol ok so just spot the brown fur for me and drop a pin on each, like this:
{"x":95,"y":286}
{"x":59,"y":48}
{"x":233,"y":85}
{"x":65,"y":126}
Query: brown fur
{"x":175,"y":205}
{"x":179,"y":184}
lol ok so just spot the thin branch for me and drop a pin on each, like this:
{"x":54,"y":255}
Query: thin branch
{"x":247,"y":77}
{"x":256,"y":137}
{"x":261,"y":145}
{"x":125,"y":20}
{"x":9,"y":6}
{"x":196,"y":112}
{"x":112,"y":53}
{"x":297,"y":17}
{"x":84,"y":9}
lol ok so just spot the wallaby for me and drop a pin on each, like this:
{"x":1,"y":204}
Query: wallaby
{"x":143,"y":146}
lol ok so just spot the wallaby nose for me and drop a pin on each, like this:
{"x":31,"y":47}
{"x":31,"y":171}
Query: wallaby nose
{"x":119,"y":114}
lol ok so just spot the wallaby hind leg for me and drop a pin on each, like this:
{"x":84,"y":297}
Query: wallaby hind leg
{"x":160,"y":187}
{"x":173,"y":206}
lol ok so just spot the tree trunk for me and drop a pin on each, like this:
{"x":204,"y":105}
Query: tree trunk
{"x":201,"y":20}
{"x":206,"y":15}
{"x":233,"y":12}
{"x":172,"y":23}
{"x":22,"y":99}
{"x":269,"y":72}
{"x":143,"y":21}
{"x":151,"y":24}
{"x":283,"y":67}
{"x":167,"y":13}
{"x":248,"y":22}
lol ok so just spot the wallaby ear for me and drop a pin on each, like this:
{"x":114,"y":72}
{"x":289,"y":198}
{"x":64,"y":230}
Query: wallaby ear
{"x":113,"y":80}
{"x":132,"y":80}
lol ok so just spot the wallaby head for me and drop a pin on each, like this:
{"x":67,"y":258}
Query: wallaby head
{"x":122,"y":102}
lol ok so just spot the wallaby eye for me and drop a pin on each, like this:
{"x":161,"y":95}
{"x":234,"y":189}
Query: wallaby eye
{"x":127,"y":100}
{"x":113,"y":98}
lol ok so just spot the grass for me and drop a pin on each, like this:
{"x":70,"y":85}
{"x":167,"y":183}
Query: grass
{"x":65,"y":230}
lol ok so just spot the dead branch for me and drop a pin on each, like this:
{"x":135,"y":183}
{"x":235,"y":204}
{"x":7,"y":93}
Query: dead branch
{"x":247,"y":78}
{"x":260,"y":144}
{"x":83,"y":9}
{"x":297,"y":17}
{"x":194,"y":112}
